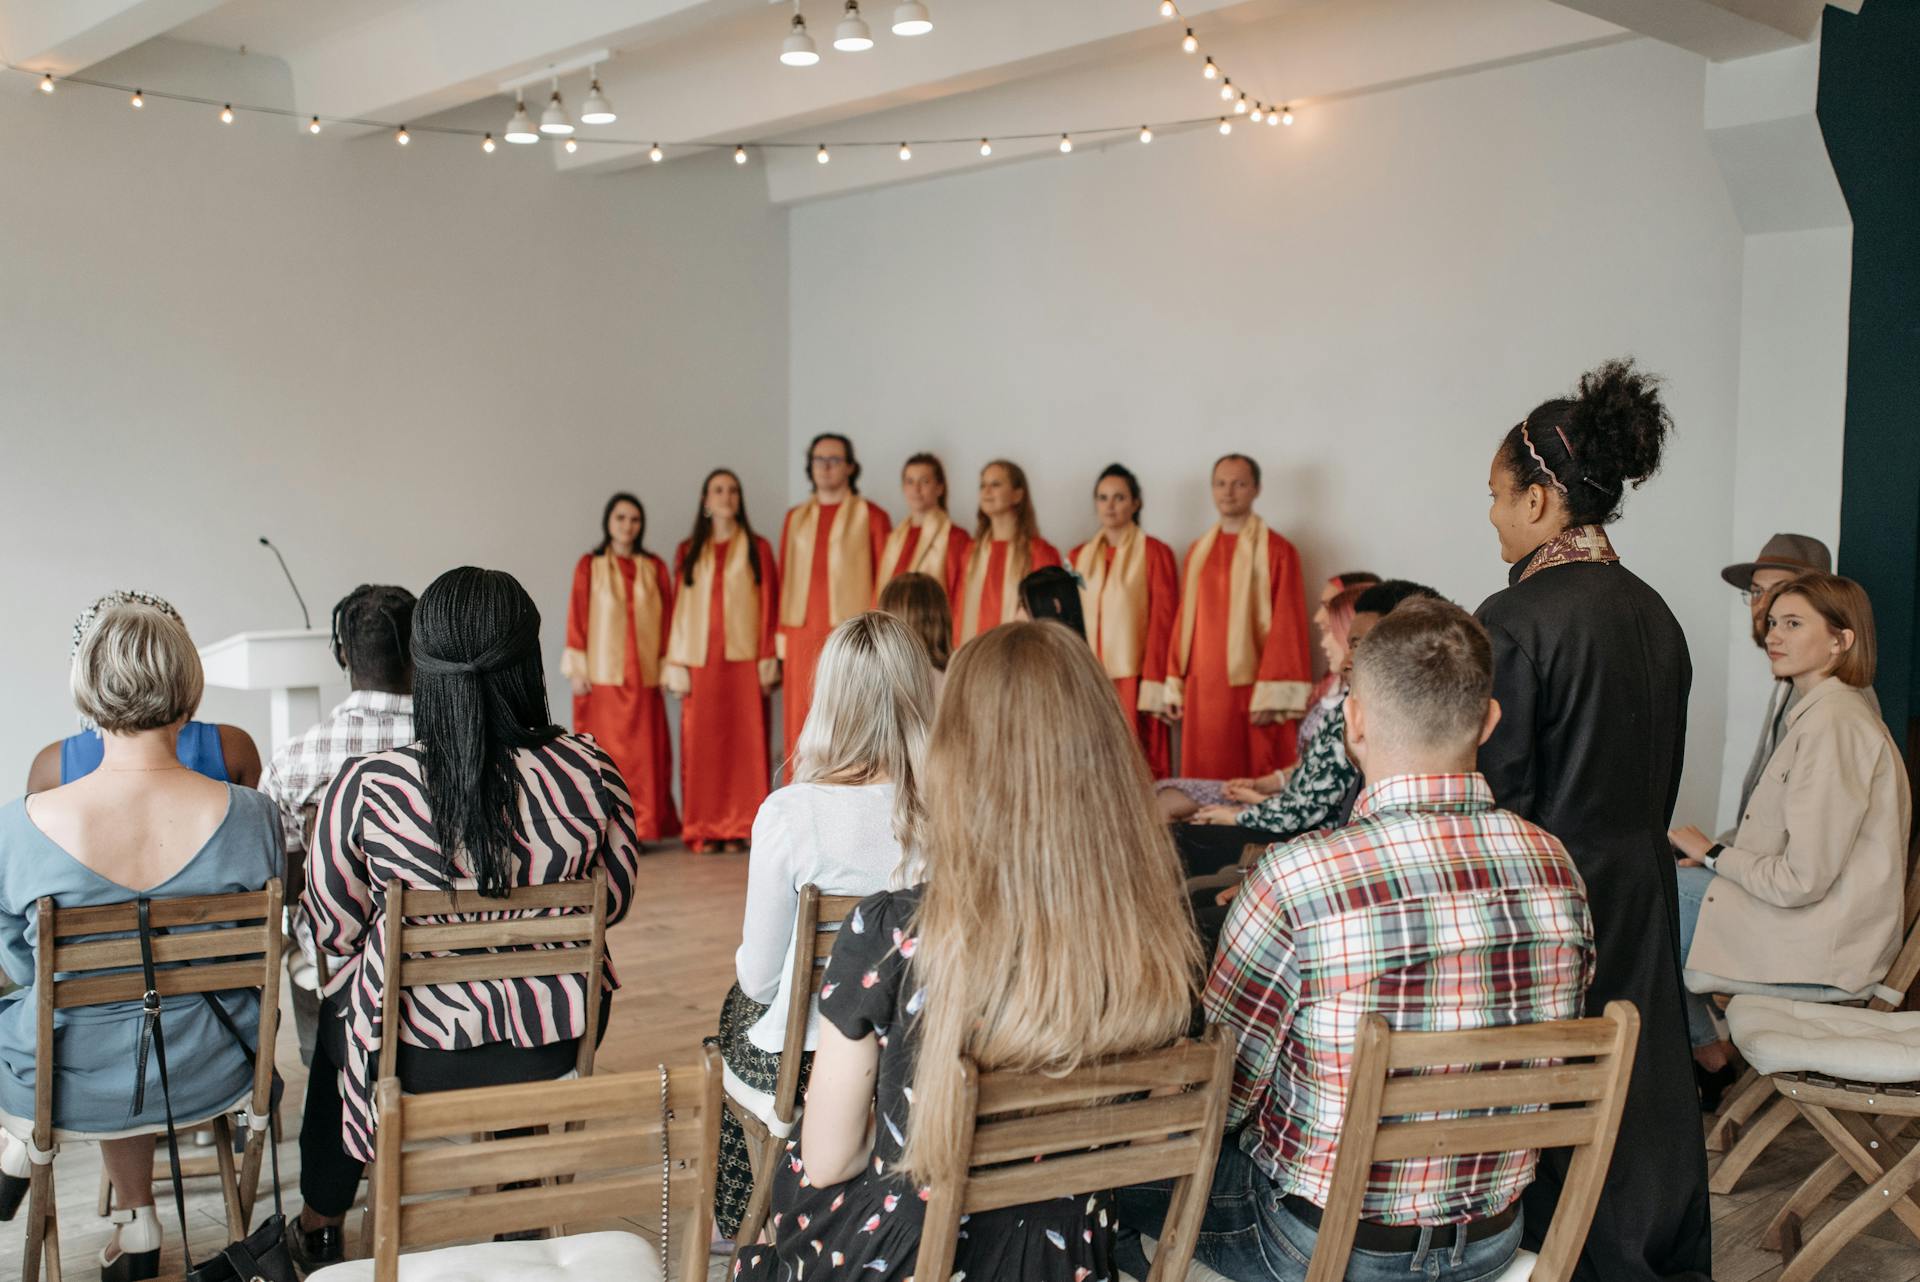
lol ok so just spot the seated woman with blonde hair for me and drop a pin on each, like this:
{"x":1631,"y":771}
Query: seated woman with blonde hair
{"x":1006,"y":953}
{"x":1807,"y":900}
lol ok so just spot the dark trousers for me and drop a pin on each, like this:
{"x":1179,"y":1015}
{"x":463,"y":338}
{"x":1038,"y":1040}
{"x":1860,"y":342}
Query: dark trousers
{"x":329,"y":1175}
{"x":1207,"y":848}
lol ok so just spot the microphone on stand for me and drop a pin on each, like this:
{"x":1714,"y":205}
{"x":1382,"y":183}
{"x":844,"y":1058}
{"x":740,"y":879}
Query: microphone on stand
{"x":305,"y":618}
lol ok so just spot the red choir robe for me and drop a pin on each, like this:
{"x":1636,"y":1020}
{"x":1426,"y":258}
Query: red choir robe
{"x":1130,"y":595}
{"x":1239,"y":646}
{"x":990,"y":587}
{"x":617,"y":621}
{"x":829,"y":559}
{"x":938,"y":548}
{"x":720,"y":651}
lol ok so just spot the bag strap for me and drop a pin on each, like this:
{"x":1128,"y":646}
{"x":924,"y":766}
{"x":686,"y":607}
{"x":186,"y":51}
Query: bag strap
{"x":273,"y":1126}
{"x":150,"y":1027}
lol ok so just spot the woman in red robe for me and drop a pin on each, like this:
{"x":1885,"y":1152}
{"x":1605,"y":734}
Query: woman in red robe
{"x":1007,"y":547}
{"x":617,"y":621}
{"x":1129,"y":595}
{"x":720,"y":664}
{"x":926,"y":541}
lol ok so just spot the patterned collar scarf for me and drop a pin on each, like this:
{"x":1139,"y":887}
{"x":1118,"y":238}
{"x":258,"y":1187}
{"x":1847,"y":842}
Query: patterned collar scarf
{"x":1575,"y":543}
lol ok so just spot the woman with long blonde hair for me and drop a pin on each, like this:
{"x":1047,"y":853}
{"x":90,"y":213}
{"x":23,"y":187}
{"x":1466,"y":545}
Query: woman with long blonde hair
{"x":1046,"y":932}
{"x":1007,"y":547}
{"x":846,"y":824}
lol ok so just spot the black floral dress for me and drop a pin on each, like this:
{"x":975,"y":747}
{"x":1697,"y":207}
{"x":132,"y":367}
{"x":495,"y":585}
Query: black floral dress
{"x":867,"y":1229}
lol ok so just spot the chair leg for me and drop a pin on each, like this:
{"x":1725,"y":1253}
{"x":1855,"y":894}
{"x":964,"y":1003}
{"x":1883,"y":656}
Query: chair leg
{"x":366,"y":1217}
{"x":40,"y":1212}
{"x":229,"y":1178}
{"x":1889,"y":1192}
{"x":1753,"y":1143}
{"x":250,"y":1157}
{"x":761,"y":1201}
{"x":1748,"y":1096}
{"x":104,"y":1206}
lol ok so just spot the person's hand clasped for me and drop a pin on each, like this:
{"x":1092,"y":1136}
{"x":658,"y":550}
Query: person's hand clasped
{"x":1216,"y":815}
{"x":1692,"y":845}
{"x":581,"y":686}
{"x":1265,"y":717}
{"x":1228,"y":895}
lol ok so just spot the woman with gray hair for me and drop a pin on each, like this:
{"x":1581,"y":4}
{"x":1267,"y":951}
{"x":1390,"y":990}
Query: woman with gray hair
{"x":141,"y":825}
{"x":847,"y":823}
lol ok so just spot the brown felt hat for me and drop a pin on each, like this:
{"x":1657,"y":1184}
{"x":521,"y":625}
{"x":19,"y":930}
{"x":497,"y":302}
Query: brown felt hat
{"x":1801,"y":553}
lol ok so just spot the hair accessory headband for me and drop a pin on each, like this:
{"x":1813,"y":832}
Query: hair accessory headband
{"x":92,"y":613}
{"x":1528,"y":440}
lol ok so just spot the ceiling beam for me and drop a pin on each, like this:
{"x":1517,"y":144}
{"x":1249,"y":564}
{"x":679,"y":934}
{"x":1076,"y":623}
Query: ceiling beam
{"x":1716,"y":29}
{"x":67,"y":36}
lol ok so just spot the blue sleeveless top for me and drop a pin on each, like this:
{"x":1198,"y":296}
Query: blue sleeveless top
{"x":80,"y":754}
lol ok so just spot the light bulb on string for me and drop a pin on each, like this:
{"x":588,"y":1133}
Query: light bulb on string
{"x":46,"y":83}
{"x":1240,"y":107}
{"x":138,"y":100}
{"x":226,"y":114}
{"x":1066,"y":144}
{"x":1259,"y":113}
{"x":906,"y":152}
{"x":1190,"y":42}
{"x":486,"y":144}
{"x":1166,"y":8}
{"x":1273,"y":117}
{"x":1286,"y":115}
{"x":656,"y":155}
{"x":986,"y":148}
{"x":401,"y":136}
{"x":1226,"y":126}
{"x":1146,"y":134}
{"x":313,"y":126}
{"x":739,"y":155}
{"x":1226,"y":91}
{"x":821,"y":156}
{"x":1210,"y":71}
{"x":572,"y":145}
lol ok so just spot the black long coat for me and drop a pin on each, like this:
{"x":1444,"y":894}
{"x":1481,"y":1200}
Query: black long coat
{"x":1592,"y":674}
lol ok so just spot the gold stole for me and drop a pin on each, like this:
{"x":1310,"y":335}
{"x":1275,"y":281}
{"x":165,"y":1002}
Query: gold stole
{"x":1115,"y":611}
{"x":976,"y":582}
{"x":929,"y":554}
{"x":687,"y":638}
{"x":1249,"y":602}
{"x":849,"y":561}
{"x":607,"y":612}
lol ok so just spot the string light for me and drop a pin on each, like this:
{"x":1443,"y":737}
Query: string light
{"x":656,"y":155}
{"x":1240,"y":107}
{"x":486,"y":144}
{"x":1210,"y":71}
{"x":572,"y":145}
{"x":226,"y":114}
{"x":1166,"y":8}
{"x":1226,"y":91}
{"x":1259,"y":113}
{"x":1226,"y":126}
{"x":1066,"y":144}
{"x":138,"y":100}
{"x":821,"y":156}
{"x":906,"y":152}
{"x":1286,"y":115}
{"x":313,"y":126}
{"x":986,"y":148}
{"x":739,"y":155}
{"x":402,"y":136}
{"x":46,"y":83}
{"x":1191,"y":43}
{"x":1146,"y":134}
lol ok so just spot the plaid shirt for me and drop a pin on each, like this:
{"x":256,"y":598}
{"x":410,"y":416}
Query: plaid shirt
{"x":1435,"y":910}
{"x":369,"y":721}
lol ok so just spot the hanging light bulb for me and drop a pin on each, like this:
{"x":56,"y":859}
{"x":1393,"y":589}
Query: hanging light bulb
{"x":401,"y":136}
{"x":1259,"y":113}
{"x":554,"y":120}
{"x":520,"y":129}
{"x":910,"y":19}
{"x":1210,"y":71}
{"x":799,"y":49}
{"x":226,"y":114}
{"x":313,"y":126}
{"x":596,"y":110}
{"x":1066,"y":144}
{"x":1166,"y":8}
{"x":822,"y":155}
{"x":853,"y":35}
{"x":906,"y":152}
{"x":46,"y":83}
{"x":1226,"y":91}
{"x":573,"y":145}
{"x":1190,"y":42}
{"x":739,"y":155}
{"x":1226,"y":126}
{"x":1286,"y":115}
{"x":1146,"y":134}
{"x":1240,"y":107}
{"x":138,"y":100}
{"x":486,"y":144}
{"x":986,"y":148}
{"x":656,"y":155}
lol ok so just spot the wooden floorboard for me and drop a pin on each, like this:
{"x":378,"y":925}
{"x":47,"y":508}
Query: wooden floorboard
{"x":674,"y":957}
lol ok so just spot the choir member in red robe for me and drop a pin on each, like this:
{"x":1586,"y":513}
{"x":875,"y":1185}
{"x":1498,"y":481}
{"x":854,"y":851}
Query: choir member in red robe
{"x":720,"y":662}
{"x":1129,"y":595}
{"x":1007,"y":547}
{"x":926,"y":541}
{"x":829,"y":558}
{"x":1239,"y":668}
{"x":617,"y":620}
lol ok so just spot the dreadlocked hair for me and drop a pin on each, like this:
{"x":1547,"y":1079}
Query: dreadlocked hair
{"x":372,"y":627}
{"x":480,"y":696}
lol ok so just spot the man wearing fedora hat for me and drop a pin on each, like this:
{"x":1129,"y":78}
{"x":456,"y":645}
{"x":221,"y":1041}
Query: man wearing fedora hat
{"x":1785,"y":557}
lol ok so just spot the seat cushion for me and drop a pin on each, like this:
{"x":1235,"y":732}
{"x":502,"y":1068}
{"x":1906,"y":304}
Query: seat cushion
{"x":1779,"y":1036}
{"x":626,"y":1256}
{"x":1519,"y":1268}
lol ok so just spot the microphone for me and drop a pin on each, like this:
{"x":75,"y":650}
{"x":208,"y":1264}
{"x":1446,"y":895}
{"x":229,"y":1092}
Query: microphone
{"x":305,"y":618}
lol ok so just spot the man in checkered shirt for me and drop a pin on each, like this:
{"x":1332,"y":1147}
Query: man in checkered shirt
{"x":1432,"y":908}
{"x":372,"y":628}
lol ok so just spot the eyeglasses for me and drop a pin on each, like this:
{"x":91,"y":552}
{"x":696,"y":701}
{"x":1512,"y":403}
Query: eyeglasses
{"x":828,"y":460}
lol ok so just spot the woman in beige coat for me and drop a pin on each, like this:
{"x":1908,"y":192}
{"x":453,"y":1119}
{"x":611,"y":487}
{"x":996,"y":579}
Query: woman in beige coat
{"x":1811,"y":890}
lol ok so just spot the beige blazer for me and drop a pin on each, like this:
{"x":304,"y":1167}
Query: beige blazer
{"x":1812,"y":890}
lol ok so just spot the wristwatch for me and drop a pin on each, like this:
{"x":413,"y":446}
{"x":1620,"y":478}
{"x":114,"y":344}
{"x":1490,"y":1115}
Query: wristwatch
{"x":1712,"y":857}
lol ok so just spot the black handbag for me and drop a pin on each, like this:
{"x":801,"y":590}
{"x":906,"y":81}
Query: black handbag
{"x":261,"y":1256}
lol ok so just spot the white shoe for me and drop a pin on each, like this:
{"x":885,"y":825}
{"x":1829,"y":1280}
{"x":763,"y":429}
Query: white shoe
{"x":133,"y":1253}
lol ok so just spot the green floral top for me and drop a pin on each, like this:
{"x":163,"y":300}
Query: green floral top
{"x":1311,"y":796}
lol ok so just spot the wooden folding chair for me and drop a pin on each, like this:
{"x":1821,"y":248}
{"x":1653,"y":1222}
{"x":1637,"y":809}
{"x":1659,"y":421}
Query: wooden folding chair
{"x":226,"y":942}
{"x":1742,"y":1139}
{"x":1033,"y":1136}
{"x":632,"y":1149}
{"x":816,"y":925}
{"x":534,"y":931}
{"x":1395,"y":1090}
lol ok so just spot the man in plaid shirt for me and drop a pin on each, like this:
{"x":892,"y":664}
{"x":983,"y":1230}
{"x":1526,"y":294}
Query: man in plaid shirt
{"x":1432,"y":908}
{"x":372,"y":627}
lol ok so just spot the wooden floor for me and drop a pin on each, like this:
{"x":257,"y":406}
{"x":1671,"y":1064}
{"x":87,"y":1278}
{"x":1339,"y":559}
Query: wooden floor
{"x":674,"y":956}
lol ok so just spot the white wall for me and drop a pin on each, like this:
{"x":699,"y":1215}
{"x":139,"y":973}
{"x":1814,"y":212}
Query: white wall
{"x":391,"y":361}
{"x":1366,"y":302}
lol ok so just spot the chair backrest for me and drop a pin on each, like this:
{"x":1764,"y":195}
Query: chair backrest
{"x":1033,"y":1136}
{"x":1395,"y":1077}
{"x":555,"y":929}
{"x":202,"y":944}
{"x":600,"y":1160}
{"x":815,"y":926}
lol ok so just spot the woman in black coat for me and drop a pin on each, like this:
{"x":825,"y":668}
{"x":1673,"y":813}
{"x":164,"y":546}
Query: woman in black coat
{"x":1591,"y":671}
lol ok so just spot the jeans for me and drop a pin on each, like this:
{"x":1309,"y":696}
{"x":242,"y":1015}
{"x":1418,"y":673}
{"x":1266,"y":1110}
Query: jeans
{"x":1694,"y":883}
{"x":1249,"y":1236}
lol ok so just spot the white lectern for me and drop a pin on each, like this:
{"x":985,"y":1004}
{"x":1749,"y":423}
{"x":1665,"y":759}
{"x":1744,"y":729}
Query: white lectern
{"x":293,"y":664}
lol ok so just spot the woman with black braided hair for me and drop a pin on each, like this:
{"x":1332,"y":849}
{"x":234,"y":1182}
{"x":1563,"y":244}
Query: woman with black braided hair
{"x":492,"y":796}
{"x":1591,"y":673}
